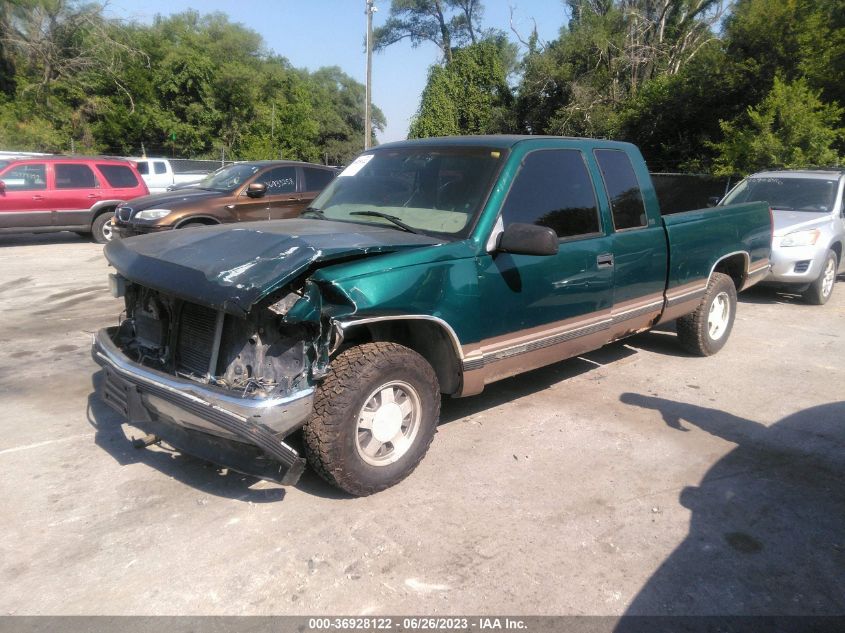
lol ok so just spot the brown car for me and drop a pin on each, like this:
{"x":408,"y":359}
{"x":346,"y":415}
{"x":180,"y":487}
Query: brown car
{"x":241,"y":192}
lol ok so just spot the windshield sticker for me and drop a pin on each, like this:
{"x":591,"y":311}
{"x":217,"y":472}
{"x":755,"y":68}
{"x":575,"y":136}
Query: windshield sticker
{"x":356,"y":165}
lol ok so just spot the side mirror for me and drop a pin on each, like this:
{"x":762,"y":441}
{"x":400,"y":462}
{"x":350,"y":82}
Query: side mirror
{"x":712,"y":201}
{"x":528,"y":239}
{"x":256,"y":190}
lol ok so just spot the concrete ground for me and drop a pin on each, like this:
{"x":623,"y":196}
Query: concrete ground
{"x":637,"y":479}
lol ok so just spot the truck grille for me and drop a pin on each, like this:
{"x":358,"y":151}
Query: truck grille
{"x":196,"y":339}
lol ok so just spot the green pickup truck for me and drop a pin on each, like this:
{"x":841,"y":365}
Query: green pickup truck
{"x":426,"y":268}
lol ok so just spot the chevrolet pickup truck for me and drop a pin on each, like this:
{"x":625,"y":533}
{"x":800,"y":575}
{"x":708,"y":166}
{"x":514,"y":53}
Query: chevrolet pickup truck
{"x":426,"y":268}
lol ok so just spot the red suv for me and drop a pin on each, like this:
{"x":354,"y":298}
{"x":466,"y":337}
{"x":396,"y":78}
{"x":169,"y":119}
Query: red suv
{"x":65,"y":194}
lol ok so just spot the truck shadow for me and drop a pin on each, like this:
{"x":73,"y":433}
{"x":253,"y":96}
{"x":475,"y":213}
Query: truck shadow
{"x":531,"y":382}
{"x":766,"y":534}
{"x":110,"y":436}
{"x":663,"y":339}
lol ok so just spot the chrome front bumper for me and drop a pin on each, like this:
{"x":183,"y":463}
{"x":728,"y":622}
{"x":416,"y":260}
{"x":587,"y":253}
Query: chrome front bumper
{"x":202,"y":420}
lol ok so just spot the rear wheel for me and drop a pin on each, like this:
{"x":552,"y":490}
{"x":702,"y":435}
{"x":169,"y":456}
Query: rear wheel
{"x":102,"y":230}
{"x":374,"y":417}
{"x":820,"y":290}
{"x":705,"y":331}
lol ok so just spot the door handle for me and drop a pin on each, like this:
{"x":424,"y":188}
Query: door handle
{"x":37,"y":197}
{"x":605,"y":260}
{"x":93,"y":195}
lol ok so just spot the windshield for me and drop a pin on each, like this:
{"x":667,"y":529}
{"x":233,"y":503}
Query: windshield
{"x":787,"y":194}
{"x":227,"y":178}
{"x":429,"y":190}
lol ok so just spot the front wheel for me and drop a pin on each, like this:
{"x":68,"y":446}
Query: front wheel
{"x":374,"y":417}
{"x":705,"y":331}
{"x":102,"y":230}
{"x":820,"y":290}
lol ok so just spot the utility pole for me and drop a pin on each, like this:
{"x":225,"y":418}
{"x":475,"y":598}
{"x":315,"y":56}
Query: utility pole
{"x":368,"y":108}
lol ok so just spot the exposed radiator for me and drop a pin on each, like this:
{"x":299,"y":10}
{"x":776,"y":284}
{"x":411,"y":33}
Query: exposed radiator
{"x":197,"y":339}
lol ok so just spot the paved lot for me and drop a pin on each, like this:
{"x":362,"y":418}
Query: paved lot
{"x":636,"y":479}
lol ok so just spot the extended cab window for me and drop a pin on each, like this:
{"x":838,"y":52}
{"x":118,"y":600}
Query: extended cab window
{"x":553,"y":188}
{"x":143,"y":167}
{"x":160,"y":168}
{"x":623,"y":190}
{"x":279,"y":180}
{"x":75,"y":177}
{"x":118,"y":176}
{"x":25,"y":178}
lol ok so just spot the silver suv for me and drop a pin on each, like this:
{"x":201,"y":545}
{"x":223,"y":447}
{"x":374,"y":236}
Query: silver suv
{"x":809,"y":226}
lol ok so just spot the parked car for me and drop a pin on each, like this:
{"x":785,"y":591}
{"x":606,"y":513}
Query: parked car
{"x":809,"y":227}
{"x":65,"y":194}
{"x":425,"y":268}
{"x":159,"y":175}
{"x":241,"y":192}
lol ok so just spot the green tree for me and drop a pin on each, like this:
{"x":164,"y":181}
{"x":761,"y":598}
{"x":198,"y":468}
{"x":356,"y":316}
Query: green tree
{"x":580,"y":83}
{"x":339,"y":111}
{"x":468,"y":96}
{"x":187,"y":85}
{"x":790,"y":128}
{"x":444,"y":23}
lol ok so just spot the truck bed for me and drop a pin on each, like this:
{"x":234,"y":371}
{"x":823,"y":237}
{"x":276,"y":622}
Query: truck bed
{"x":699,"y":240}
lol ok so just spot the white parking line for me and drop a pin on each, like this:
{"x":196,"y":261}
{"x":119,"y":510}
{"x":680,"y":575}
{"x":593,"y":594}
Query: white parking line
{"x":26,"y":447}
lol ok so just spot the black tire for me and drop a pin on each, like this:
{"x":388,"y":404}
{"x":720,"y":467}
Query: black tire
{"x":334,"y":442}
{"x":822,"y":288}
{"x":696,"y":333}
{"x":101,"y":231}
{"x":191,"y":225}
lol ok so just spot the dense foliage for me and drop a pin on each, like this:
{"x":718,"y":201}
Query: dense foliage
{"x":186,"y":85}
{"x":699,"y":85}
{"x":725,"y":86}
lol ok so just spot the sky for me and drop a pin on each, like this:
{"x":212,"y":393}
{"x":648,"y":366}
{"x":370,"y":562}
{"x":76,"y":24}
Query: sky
{"x":316,"y":33}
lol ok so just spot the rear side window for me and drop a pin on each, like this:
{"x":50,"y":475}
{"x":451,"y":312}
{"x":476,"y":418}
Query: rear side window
{"x":25,"y":178}
{"x":160,"y":168}
{"x":70,"y":176}
{"x":620,"y":181}
{"x":317,"y":179}
{"x":553,"y":189}
{"x":279,"y":180}
{"x":143,"y":167}
{"x":118,"y":176}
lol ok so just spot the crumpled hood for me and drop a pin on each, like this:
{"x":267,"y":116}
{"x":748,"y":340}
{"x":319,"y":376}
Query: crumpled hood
{"x":231,"y":268}
{"x":171,"y":199}
{"x":789,"y":221}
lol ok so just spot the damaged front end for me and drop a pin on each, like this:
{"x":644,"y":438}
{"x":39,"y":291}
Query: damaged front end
{"x":222,"y":387}
{"x":226,"y":335}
